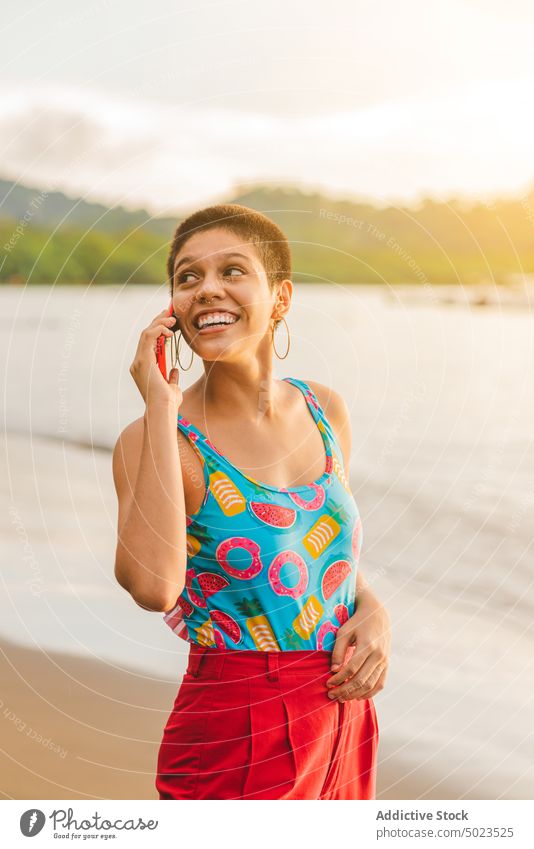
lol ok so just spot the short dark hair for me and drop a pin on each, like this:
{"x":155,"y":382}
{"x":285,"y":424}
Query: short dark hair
{"x":252,"y":226}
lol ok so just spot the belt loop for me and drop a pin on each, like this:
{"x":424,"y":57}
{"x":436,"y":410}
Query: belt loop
{"x":272,"y":665}
{"x":196,"y":656}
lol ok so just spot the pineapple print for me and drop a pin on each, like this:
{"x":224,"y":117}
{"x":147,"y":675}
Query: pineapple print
{"x":205,"y":633}
{"x":193,"y":545}
{"x":321,"y":534}
{"x":338,"y":512}
{"x":258,"y":624}
{"x":232,"y":598}
{"x":229,"y":498}
{"x":308,"y":618}
{"x":292,"y":641}
{"x":340,"y":473}
{"x":200,"y":538}
{"x":325,"y":530}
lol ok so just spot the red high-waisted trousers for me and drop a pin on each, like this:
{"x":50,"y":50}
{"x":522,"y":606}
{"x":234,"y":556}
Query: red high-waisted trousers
{"x":259,"y":725}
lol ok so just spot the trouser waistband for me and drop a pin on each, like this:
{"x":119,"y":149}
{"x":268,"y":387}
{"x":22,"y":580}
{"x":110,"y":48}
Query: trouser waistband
{"x":247,"y":661}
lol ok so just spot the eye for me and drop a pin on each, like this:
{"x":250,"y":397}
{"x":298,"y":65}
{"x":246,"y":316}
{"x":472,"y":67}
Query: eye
{"x":181,"y":277}
{"x":234,"y":268}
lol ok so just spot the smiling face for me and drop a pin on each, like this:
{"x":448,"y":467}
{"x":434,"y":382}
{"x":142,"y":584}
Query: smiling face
{"x":221,"y":294}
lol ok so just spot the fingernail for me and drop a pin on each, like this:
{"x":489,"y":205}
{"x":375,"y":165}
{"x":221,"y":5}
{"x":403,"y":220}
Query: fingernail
{"x":331,"y":695}
{"x":334,"y":666}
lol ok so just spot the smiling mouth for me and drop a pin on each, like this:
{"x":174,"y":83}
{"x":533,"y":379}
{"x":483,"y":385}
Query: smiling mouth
{"x":218,"y":320}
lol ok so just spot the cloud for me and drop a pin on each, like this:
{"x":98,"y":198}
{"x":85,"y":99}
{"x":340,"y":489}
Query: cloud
{"x":476,"y":138}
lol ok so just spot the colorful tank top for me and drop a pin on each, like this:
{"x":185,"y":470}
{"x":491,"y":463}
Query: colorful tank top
{"x":269,"y":569}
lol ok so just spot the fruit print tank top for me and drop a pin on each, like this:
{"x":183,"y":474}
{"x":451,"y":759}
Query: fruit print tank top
{"x":269,"y":569}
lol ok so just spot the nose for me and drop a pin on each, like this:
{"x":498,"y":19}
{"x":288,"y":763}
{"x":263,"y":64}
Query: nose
{"x":211,"y":286}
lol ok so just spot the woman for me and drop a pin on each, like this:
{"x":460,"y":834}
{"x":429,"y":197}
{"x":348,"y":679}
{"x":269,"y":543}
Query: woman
{"x":243,"y":531}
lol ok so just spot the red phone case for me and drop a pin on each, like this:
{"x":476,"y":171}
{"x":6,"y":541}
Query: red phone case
{"x":163,"y":350}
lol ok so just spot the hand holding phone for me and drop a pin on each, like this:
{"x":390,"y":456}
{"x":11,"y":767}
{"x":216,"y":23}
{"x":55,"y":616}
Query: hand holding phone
{"x":153,"y":368}
{"x":166,"y":349}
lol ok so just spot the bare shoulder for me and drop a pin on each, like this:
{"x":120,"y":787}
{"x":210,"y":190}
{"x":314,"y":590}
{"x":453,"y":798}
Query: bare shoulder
{"x":333,"y":404}
{"x":338,"y":414}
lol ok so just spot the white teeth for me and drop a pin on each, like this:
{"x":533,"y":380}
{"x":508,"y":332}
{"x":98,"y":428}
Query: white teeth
{"x":215,"y":318}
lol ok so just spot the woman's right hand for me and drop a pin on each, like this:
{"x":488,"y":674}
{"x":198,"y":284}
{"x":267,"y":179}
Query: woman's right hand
{"x":145,"y":370}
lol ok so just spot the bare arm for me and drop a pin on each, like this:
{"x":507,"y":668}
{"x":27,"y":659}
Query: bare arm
{"x":151,"y":553}
{"x":338,"y":414}
{"x":369,"y":629}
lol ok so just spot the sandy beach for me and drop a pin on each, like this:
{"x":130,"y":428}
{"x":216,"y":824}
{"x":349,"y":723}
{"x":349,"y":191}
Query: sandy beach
{"x":76,"y":728}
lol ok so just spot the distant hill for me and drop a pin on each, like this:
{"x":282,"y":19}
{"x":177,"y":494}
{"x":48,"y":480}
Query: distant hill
{"x":48,"y":238}
{"x":57,"y":209}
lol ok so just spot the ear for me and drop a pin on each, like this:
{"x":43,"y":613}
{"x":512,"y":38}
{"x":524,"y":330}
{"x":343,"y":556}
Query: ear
{"x":283,"y":298}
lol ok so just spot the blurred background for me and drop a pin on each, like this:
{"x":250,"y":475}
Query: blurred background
{"x":393,"y":144}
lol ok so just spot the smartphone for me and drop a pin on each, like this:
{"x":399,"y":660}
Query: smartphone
{"x":166,"y":350}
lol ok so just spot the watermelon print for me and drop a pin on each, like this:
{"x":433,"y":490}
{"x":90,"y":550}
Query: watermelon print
{"x":334,"y":577}
{"x":211,"y":583}
{"x":273,"y":514}
{"x":268,"y":568}
{"x":194,"y":597}
{"x":341,"y":613}
{"x":186,"y":608}
{"x":227,"y":624}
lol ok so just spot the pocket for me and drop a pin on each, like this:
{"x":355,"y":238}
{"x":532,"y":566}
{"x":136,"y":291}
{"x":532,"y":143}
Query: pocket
{"x":180,"y":748}
{"x":225,"y":754}
{"x":313,"y":727}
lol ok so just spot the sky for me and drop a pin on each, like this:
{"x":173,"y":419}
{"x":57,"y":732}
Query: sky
{"x":169,"y":105}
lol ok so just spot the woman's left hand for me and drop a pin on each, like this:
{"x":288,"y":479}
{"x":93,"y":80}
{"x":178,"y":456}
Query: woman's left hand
{"x":363,"y":673}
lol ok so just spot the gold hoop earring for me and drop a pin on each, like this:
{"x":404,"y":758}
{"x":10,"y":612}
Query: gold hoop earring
{"x":178,"y":353}
{"x":288,"y":340}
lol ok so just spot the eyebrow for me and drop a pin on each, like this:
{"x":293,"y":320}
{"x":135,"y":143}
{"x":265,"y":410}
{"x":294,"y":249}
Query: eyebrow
{"x":193,"y":259}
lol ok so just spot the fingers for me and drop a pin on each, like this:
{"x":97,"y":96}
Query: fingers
{"x":165,"y":322}
{"x":372,"y":686}
{"x":162,"y":318}
{"x":348,"y":673}
{"x":354,"y":662}
{"x":378,"y":686}
{"x":362,"y":683}
{"x":338,"y":652}
{"x":144,"y":361}
{"x":164,"y":312}
{"x":161,"y":326}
